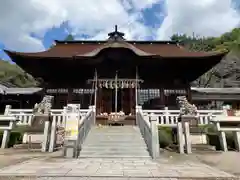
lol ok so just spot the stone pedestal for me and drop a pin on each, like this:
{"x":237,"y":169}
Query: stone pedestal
{"x":41,"y":124}
{"x":71,"y":147}
{"x":154,"y":137}
{"x":7,"y":123}
{"x":183,"y":128}
{"x":5,"y":139}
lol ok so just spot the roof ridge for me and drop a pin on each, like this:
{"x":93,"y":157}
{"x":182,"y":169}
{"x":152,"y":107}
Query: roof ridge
{"x":105,"y":41}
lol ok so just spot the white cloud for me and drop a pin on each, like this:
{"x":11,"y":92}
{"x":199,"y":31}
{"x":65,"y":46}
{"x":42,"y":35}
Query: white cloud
{"x":139,"y":4}
{"x":202,"y":17}
{"x":97,"y":17}
{"x":19,"y":20}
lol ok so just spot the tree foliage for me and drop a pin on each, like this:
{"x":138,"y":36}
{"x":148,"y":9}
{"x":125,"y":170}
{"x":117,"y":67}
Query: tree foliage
{"x":15,"y":75}
{"x":227,"y":72}
{"x":69,"y":38}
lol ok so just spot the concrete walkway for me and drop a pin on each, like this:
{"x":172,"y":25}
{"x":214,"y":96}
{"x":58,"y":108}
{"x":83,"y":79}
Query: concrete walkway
{"x":102,"y":168}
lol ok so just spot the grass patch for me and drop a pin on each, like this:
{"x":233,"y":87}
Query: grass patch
{"x":15,"y":138}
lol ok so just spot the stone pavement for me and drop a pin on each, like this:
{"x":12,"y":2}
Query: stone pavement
{"x":112,"y":168}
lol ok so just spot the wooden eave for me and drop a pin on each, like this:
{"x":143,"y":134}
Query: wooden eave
{"x":89,"y":49}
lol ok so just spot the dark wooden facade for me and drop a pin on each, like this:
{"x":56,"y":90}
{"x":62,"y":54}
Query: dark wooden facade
{"x":162,"y":65}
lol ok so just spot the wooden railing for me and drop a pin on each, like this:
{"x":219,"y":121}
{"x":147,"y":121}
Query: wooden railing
{"x":170,"y":117}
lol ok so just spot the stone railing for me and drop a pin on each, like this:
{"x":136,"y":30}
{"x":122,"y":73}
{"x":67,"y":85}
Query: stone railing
{"x":225,"y":124}
{"x":170,"y":117}
{"x":86,"y":123}
{"x":25,"y":116}
{"x":7,"y":123}
{"x":149,"y":131}
{"x":78,"y":133}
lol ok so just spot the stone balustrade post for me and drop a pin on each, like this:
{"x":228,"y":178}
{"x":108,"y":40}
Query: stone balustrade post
{"x":223,"y":141}
{"x":45,"y":136}
{"x":225,"y":110}
{"x":53,"y":135}
{"x":7,"y":130}
{"x":236,"y":136}
{"x":138,"y":110}
{"x":5,"y":138}
{"x":64,"y":116}
{"x":180,"y":138}
{"x":94,"y":114}
{"x":154,"y":136}
{"x":188,"y":144}
{"x":7,"y":110}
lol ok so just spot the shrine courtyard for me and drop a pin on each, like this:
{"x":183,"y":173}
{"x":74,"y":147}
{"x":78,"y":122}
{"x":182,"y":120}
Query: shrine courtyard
{"x":22,"y":164}
{"x":134,"y":84}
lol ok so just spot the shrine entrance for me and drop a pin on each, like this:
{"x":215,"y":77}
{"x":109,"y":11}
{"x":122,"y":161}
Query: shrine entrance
{"x":116,"y":95}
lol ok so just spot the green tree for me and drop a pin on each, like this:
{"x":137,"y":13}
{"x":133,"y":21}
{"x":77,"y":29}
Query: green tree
{"x":15,"y":75}
{"x":69,"y":38}
{"x":226,"y":73}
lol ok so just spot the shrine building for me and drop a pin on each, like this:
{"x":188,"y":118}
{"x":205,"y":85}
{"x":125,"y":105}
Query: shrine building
{"x":116,"y":74}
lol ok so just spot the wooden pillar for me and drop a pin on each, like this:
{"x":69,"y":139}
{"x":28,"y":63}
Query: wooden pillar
{"x":99,"y":101}
{"x":70,"y":96}
{"x":162,"y":96}
{"x":189,"y":93}
{"x":131,"y":101}
{"x":123,"y":99}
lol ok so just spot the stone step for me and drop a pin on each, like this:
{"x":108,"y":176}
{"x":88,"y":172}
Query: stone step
{"x":114,"y":140}
{"x":119,"y":148}
{"x":116,"y":154}
{"x":116,"y":129}
{"x":203,"y":147}
{"x":114,"y":144}
{"x":114,"y":135}
{"x":105,"y":145}
{"x":111,"y":141}
{"x":36,"y":146}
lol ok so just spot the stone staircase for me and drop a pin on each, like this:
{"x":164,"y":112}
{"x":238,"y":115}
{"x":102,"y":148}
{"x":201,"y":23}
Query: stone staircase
{"x":114,"y":141}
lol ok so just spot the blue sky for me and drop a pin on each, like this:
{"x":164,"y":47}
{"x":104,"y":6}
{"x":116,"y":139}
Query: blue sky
{"x":32,"y":26}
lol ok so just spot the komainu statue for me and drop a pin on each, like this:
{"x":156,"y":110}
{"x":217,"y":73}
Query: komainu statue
{"x":44,"y":107}
{"x":185,"y":107}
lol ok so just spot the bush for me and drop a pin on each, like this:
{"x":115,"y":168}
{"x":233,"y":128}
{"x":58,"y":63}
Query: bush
{"x":165,"y":136}
{"x":213,"y":138}
{"x":15,"y":138}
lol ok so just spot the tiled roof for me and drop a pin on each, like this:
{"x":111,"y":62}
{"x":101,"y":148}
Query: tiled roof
{"x":92,"y":48}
